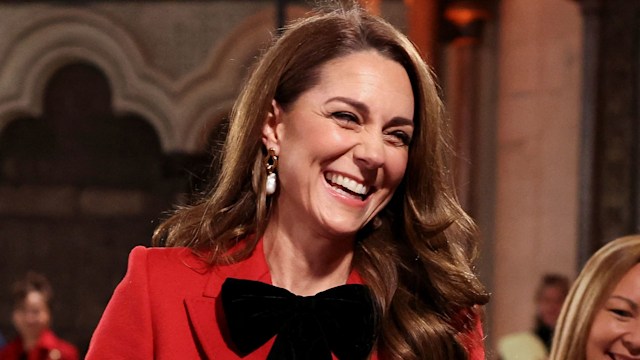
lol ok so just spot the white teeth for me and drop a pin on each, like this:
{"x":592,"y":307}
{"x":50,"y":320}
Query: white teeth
{"x":347,"y":183}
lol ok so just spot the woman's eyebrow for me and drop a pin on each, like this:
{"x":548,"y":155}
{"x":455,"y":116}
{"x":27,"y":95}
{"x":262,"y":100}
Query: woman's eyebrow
{"x":360,"y":106}
{"x":400,"y":121}
{"x":364,"y":109}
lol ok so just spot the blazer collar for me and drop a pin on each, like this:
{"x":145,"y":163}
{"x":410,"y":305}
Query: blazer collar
{"x":204,"y":312}
{"x":253,"y":268}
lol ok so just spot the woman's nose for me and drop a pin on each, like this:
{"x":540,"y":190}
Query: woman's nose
{"x":370,"y":151}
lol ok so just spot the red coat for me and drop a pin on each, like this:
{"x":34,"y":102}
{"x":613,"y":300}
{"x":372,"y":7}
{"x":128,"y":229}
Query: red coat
{"x":165,"y":308}
{"x":48,"y":347}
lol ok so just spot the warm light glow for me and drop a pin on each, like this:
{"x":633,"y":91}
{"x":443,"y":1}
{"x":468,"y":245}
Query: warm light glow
{"x":462,"y":13}
{"x":423,"y":18}
{"x":372,"y":6}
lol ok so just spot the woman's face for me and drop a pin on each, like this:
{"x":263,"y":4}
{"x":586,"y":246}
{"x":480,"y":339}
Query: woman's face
{"x":615,"y":332}
{"x":32,"y":316}
{"x":550,"y":303}
{"x":343,"y":144}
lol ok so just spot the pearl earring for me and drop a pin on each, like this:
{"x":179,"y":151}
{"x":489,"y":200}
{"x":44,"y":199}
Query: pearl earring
{"x":271,"y":164}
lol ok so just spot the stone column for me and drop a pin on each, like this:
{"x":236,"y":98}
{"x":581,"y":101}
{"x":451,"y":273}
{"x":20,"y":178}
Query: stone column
{"x":468,"y":18}
{"x":422,"y":16}
{"x":592,"y":19}
{"x":539,"y":85}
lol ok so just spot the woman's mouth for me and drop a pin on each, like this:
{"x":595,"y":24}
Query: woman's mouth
{"x":621,"y":357}
{"x":347,"y":185}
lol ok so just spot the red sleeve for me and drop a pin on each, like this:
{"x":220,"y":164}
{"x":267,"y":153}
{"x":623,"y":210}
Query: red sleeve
{"x":125,"y":330}
{"x":472,"y":338}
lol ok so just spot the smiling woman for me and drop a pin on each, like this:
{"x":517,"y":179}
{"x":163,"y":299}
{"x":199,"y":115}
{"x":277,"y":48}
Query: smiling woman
{"x":32,"y":319}
{"x":601,"y":316}
{"x":354,"y":107}
{"x":333,"y":230}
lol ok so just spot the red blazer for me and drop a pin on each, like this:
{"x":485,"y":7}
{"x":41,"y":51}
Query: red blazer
{"x":48,"y":347}
{"x":165,"y":308}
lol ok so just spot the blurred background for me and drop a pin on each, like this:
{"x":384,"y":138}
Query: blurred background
{"x":111,"y":112}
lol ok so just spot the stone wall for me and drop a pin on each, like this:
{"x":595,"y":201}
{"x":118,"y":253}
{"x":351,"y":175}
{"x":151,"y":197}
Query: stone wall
{"x":107,"y":110}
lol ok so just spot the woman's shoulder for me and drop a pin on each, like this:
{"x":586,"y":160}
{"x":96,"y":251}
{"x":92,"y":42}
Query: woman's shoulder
{"x":167,"y":258}
{"x":160,"y":252}
{"x":162,"y":273}
{"x":513,"y":345}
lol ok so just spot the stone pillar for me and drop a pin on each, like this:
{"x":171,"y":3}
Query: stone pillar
{"x":468,"y":18}
{"x":610,"y":161}
{"x":423,"y":21}
{"x":538,"y":117}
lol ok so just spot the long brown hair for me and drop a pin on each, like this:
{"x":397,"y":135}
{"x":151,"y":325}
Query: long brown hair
{"x":416,"y":256}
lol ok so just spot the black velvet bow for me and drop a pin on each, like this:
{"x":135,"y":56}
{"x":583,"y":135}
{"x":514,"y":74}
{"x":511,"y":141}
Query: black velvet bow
{"x":339,"y":320}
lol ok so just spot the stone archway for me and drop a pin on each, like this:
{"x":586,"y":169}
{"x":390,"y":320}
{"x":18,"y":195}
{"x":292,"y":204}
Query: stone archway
{"x":80,"y":186}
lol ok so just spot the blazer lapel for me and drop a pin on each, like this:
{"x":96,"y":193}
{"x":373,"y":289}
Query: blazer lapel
{"x":203,"y":311}
{"x":202,"y":316}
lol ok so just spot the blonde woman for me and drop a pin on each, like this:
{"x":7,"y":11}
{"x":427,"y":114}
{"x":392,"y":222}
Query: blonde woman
{"x":601,"y":316}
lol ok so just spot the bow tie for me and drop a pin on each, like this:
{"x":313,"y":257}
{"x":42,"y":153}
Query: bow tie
{"x":338,"y":320}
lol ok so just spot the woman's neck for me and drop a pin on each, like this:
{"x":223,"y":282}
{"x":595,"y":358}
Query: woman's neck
{"x":29,"y":343}
{"x":303,"y":262}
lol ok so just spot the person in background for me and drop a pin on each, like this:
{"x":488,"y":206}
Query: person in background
{"x":3,"y":342}
{"x":333,"y":230}
{"x":601,"y":316}
{"x":536,"y":344}
{"x":32,"y":319}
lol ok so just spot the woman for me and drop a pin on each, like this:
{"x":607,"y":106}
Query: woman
{"x":601,"y":316}
{"x":536,"y":343}
{"x":334,"y":172}
{"x":32,"y":318}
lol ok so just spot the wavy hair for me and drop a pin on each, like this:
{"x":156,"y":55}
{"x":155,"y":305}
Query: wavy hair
{"x":417,"y":255}
{"x":593,"y":286}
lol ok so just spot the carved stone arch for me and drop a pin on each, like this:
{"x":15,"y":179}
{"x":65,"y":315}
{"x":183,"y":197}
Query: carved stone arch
{"x":199,"y":138}
{"x":49,"y":42}
{"x":212,"y":89}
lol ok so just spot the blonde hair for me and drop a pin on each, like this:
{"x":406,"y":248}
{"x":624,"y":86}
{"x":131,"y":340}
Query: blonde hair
{"x":595,"y":283}
{"x":417,"y":258}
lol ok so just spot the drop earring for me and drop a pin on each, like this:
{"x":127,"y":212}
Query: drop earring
{"x":271,"y":164}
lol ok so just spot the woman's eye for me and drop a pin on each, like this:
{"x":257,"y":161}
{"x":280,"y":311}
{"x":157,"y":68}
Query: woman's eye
{"x":345,"y":116}
{"x":621,"y":312}
{"x":400,"y":137}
